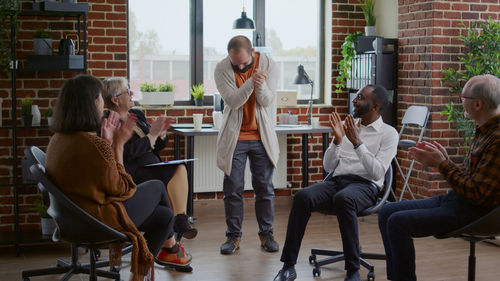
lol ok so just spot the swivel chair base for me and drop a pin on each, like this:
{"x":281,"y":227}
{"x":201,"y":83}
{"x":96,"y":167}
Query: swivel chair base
{"x":75,"y":267}
{"x":336,"y":256}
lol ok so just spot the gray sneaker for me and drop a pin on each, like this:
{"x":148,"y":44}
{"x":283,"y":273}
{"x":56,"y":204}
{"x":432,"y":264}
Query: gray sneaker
{"x":230,"y":246}
{"x":268,"y":243}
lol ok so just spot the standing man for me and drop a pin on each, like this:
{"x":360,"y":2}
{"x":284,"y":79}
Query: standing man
{"x":359,"y":156}
{"x":475,"y":184}
{"x":247,"y":83}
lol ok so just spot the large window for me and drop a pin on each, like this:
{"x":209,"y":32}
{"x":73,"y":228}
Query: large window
{"x":159,"y":44}
{"x":182,"y":41}
{"x":293,"y":36}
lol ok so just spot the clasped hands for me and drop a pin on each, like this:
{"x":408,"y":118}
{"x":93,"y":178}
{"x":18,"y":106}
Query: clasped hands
{"x":349,"y":128}
{"x":259,"y":77}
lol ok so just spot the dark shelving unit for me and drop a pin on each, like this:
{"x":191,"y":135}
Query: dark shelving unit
{"x":40,"y":63}
{"x":375,"y":62}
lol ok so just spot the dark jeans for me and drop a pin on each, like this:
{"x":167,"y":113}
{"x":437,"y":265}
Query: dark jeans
{"x":262,"y":182}
{"x":399,"y":222}
{"x":347,"y":196}
{"x":149,"y":210}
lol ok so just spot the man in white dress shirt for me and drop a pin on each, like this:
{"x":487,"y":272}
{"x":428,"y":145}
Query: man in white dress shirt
{"x":359,"y":156}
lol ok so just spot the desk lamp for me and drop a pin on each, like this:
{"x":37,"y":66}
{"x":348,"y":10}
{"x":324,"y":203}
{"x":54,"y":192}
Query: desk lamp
{"x":302,"y":79}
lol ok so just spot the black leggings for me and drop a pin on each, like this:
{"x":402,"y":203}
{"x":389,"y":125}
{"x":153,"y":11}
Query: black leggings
{"x":150,"y":212}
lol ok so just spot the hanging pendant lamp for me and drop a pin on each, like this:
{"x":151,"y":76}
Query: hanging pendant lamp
{"x":243,"y":22}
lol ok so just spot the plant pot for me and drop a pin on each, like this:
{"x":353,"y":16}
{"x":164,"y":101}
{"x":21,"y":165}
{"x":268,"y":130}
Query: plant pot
{"x":26,"y":120}
{"x":42,"y":46}
{"x":198,"y":102}
{"x":369,"y":30}
{"x":48,"y":226}
{"x":50,"y":121}
{"x":157,"y":98}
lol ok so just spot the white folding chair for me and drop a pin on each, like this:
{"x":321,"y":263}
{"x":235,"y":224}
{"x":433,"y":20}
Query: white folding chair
{"x":418,"y":116}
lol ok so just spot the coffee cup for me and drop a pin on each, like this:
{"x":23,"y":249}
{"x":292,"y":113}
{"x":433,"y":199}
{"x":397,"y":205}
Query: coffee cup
{"x":217,"y":117}
{"x":197,"y":121}
{"x":315,"y":122}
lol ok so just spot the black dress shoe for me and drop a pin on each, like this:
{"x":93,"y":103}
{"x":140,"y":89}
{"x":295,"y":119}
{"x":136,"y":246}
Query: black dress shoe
{"x":286,"y":275}
{"x":352,"y":276}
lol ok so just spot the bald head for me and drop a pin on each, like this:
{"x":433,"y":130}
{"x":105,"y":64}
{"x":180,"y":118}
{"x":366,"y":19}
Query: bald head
{"x":485,"y":88}
{"x":238,"y":43}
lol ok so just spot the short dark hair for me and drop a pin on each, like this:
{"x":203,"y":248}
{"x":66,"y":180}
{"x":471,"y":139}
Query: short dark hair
{"x":381,"y":96}
{"x":238,"y":42}
{"x":76,"y":110}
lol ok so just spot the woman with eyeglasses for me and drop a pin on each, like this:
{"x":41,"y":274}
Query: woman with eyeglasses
{"x":143,"y":148}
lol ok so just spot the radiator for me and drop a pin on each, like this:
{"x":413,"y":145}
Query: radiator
{"x":209,"y":178}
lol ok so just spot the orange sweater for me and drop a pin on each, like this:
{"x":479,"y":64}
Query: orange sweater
{"x":249,"y":127}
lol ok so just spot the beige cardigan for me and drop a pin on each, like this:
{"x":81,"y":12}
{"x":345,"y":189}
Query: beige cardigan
{"x":234,"y":99}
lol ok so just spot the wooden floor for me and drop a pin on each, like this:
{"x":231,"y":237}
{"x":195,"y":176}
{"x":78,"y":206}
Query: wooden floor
{"x":436,"y":259}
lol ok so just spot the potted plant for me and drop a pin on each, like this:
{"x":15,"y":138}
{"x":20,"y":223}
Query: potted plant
{"x":48,"y":114}
{"x":42,"y":43}
{"x":48,"y":224}
{"x":348,"y":52}
{"x":197,"y":91}
{"x":26,"y":116}
{"x":161,"y":94}
{"x":9,"y":9}
{"x":481,"y":57}
{"x":368,"y":7}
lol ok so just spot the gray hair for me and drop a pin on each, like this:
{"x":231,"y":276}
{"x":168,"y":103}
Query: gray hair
{"x":112,"y":88}
{"x":486,"y":88}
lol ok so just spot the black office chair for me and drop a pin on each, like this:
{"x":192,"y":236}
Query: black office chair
{"x":484,"y":228}
{"x":336,"y":256}
{"x":76,"y":226}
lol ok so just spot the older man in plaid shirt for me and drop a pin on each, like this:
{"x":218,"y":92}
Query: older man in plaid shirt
{"x":475,"y":185}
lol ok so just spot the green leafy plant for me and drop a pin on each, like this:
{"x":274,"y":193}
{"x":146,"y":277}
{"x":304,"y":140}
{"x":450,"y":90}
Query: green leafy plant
{"x":368,"y":7}
{"x":39,"y":207}
{"x":40,"y":33}
{"x":167,"y":87}
{"x":26,"y":106}
{"x":151,"y":87}
{"x":48,"y":113}
{"x":348,"y":52}
{"x":197,"y":91}
{"x":9,"y":9}
{"x":482,"y":56}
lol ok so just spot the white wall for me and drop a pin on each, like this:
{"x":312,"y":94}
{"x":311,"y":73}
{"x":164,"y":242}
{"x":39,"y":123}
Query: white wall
{"x":386,"y":12}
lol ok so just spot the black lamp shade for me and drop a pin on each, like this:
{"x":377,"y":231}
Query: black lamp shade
{"x":302,"y":77}
{"x":243,"y":22}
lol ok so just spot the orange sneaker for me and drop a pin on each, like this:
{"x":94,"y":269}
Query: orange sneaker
{"x":175,"y":258}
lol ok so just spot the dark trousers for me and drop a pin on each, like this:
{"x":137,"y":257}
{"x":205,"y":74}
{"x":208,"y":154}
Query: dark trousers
{"x":399,"y":222}
{"x":346,"y":196}
{"x":150,"y":212}
{"x":262,"y":182}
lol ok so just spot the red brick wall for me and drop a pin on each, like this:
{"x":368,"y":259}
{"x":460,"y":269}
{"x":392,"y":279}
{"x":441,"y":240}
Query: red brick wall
{"x":428,"y":32}
{"x":107,"y":40}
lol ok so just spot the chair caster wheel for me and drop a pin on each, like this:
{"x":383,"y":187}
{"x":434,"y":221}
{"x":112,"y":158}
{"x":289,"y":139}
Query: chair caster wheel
{"x":316,"y":271}
{"x":312,"y":258}
{"x":371,"y":276}
{"x":114,"y":269}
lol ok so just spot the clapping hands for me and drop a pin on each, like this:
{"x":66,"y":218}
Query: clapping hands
{"x":160,"y":125}
{"x":349,"y":129}
{"x":428,"y":153}
{"x":115,"y":132}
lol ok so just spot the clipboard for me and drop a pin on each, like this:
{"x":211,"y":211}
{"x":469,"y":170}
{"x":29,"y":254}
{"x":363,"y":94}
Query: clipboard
{"x":173,"y":162}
